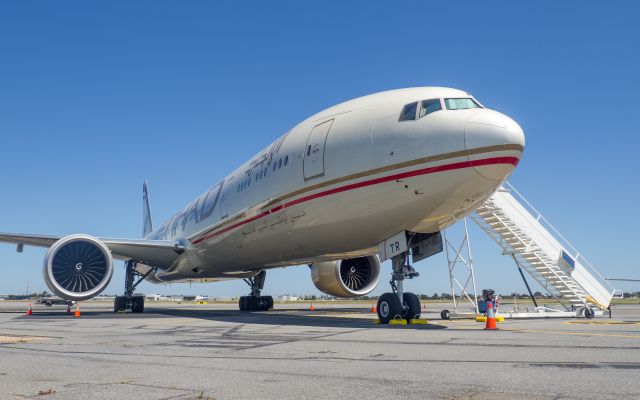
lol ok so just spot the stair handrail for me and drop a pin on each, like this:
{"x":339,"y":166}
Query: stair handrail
{"x":543,"y":221}
{"x":542,"y":281}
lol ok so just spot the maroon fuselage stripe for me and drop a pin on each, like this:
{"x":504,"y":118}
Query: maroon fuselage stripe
{"x":424,"y":171}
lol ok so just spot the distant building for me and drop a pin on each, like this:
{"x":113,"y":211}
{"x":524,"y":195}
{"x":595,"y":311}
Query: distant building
{"x":286,"y":297}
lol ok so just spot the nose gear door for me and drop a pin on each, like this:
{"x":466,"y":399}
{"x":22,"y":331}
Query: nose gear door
{"x":313,"y":165}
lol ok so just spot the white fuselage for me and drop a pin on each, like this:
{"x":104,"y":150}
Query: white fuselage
{"x":343,"y":181}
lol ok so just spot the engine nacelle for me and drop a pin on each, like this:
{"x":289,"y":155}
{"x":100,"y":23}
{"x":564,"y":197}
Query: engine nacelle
{"x":347,"y":278}
{"x":78,"y":267}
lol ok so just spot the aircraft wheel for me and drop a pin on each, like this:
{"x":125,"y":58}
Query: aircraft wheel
{"x":137,"y":304}
{"x":588,"y":313}
{"x":413,"y":306}
{"x":389,"y":307}
{"x":119,"y":303}
{"x":265,"y":303}
{"x":252,"y":303}
{"x":269,"y":301}
{"x":445,"y":314}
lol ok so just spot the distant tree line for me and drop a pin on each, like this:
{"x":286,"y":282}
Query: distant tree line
{"x":33,"y":295}
{"x":447,"y":296}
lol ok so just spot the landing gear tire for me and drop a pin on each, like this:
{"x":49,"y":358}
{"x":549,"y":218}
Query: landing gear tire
{"x":253,"y":303}
{"x":389,"y":307}
{"x":265,"y":303}
{"x":412,"y":303}
{"x":244,"y":303}
{"x":119,"y":303}
{"x":137,"y":304}
{"x":445,"y":314}
{"x":588,"y":313}
{"x":269,"y":302}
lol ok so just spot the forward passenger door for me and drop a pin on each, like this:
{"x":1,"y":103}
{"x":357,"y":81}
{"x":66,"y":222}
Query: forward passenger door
{"x":313,"y":165}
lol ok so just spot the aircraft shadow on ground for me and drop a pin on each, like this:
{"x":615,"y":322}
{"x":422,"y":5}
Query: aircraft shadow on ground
{"x":330,"y":318}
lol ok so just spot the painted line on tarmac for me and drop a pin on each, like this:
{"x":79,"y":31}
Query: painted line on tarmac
{"x":21,"y":339}
{"x":345,"y":315}
{"x":604,"y":322}
{"x":572,"y":333}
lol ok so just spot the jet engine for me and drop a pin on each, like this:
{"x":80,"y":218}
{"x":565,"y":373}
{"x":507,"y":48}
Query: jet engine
{"x":347,"y":278}
{"x":78,"y":267}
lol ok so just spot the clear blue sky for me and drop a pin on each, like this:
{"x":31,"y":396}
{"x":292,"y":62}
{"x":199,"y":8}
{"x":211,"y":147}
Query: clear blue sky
{"x":96,"y":97}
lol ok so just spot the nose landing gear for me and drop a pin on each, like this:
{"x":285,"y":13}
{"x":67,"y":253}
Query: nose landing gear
{"x":399,"y":304}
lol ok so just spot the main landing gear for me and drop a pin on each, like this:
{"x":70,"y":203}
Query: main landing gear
{"x":399,"y":304}
{"x":135,"y":303}
{"x":255,"y":302}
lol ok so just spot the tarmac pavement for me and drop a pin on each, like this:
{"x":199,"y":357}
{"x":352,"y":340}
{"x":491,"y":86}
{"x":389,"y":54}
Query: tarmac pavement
{"x":188,"y":351}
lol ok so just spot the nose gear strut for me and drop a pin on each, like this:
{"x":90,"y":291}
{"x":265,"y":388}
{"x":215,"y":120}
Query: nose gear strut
{"x":399,"y":304}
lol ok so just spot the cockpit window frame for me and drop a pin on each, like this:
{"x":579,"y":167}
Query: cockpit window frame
{"x":474,"y":101}
{"x":415,"y":113}
{"x":440,"y":101}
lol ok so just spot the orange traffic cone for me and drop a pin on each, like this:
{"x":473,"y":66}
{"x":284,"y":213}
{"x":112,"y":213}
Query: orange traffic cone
{"x":491,"y":318}
{"x":311,"y":308}
{"x":374,"y":309}
{"x":77,"y":313}
{"x":29,"y":311}
{"x":424,"y":306}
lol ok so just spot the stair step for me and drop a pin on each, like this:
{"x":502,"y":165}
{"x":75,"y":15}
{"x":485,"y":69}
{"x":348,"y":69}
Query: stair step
{"x":494,"y":218}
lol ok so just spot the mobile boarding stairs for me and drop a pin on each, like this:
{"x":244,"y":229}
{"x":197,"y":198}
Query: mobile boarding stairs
{"x":545,"y":255}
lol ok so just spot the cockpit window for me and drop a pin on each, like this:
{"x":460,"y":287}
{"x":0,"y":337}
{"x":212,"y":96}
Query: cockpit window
{"x":460,"y":104}
{"x":429,"y":106}
{"x":409,"y":112}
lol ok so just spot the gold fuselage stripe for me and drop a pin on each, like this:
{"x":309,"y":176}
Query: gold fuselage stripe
{"x":387,"y":168}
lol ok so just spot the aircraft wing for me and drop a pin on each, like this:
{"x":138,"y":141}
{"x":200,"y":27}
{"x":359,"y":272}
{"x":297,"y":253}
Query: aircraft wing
{"x":160,"y":253}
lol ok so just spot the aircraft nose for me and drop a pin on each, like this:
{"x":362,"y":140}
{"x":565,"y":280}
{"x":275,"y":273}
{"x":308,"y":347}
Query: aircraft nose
{"x":489,"y":135}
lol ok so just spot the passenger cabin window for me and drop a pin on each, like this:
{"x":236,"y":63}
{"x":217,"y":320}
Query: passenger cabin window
{"x":429,"y":106}
{"x":409,"y":112}
{"x":460,"y":104}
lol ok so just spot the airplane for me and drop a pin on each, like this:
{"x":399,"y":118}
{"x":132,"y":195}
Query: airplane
{"x":370,"y":179}
{"x":622,"y":279}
